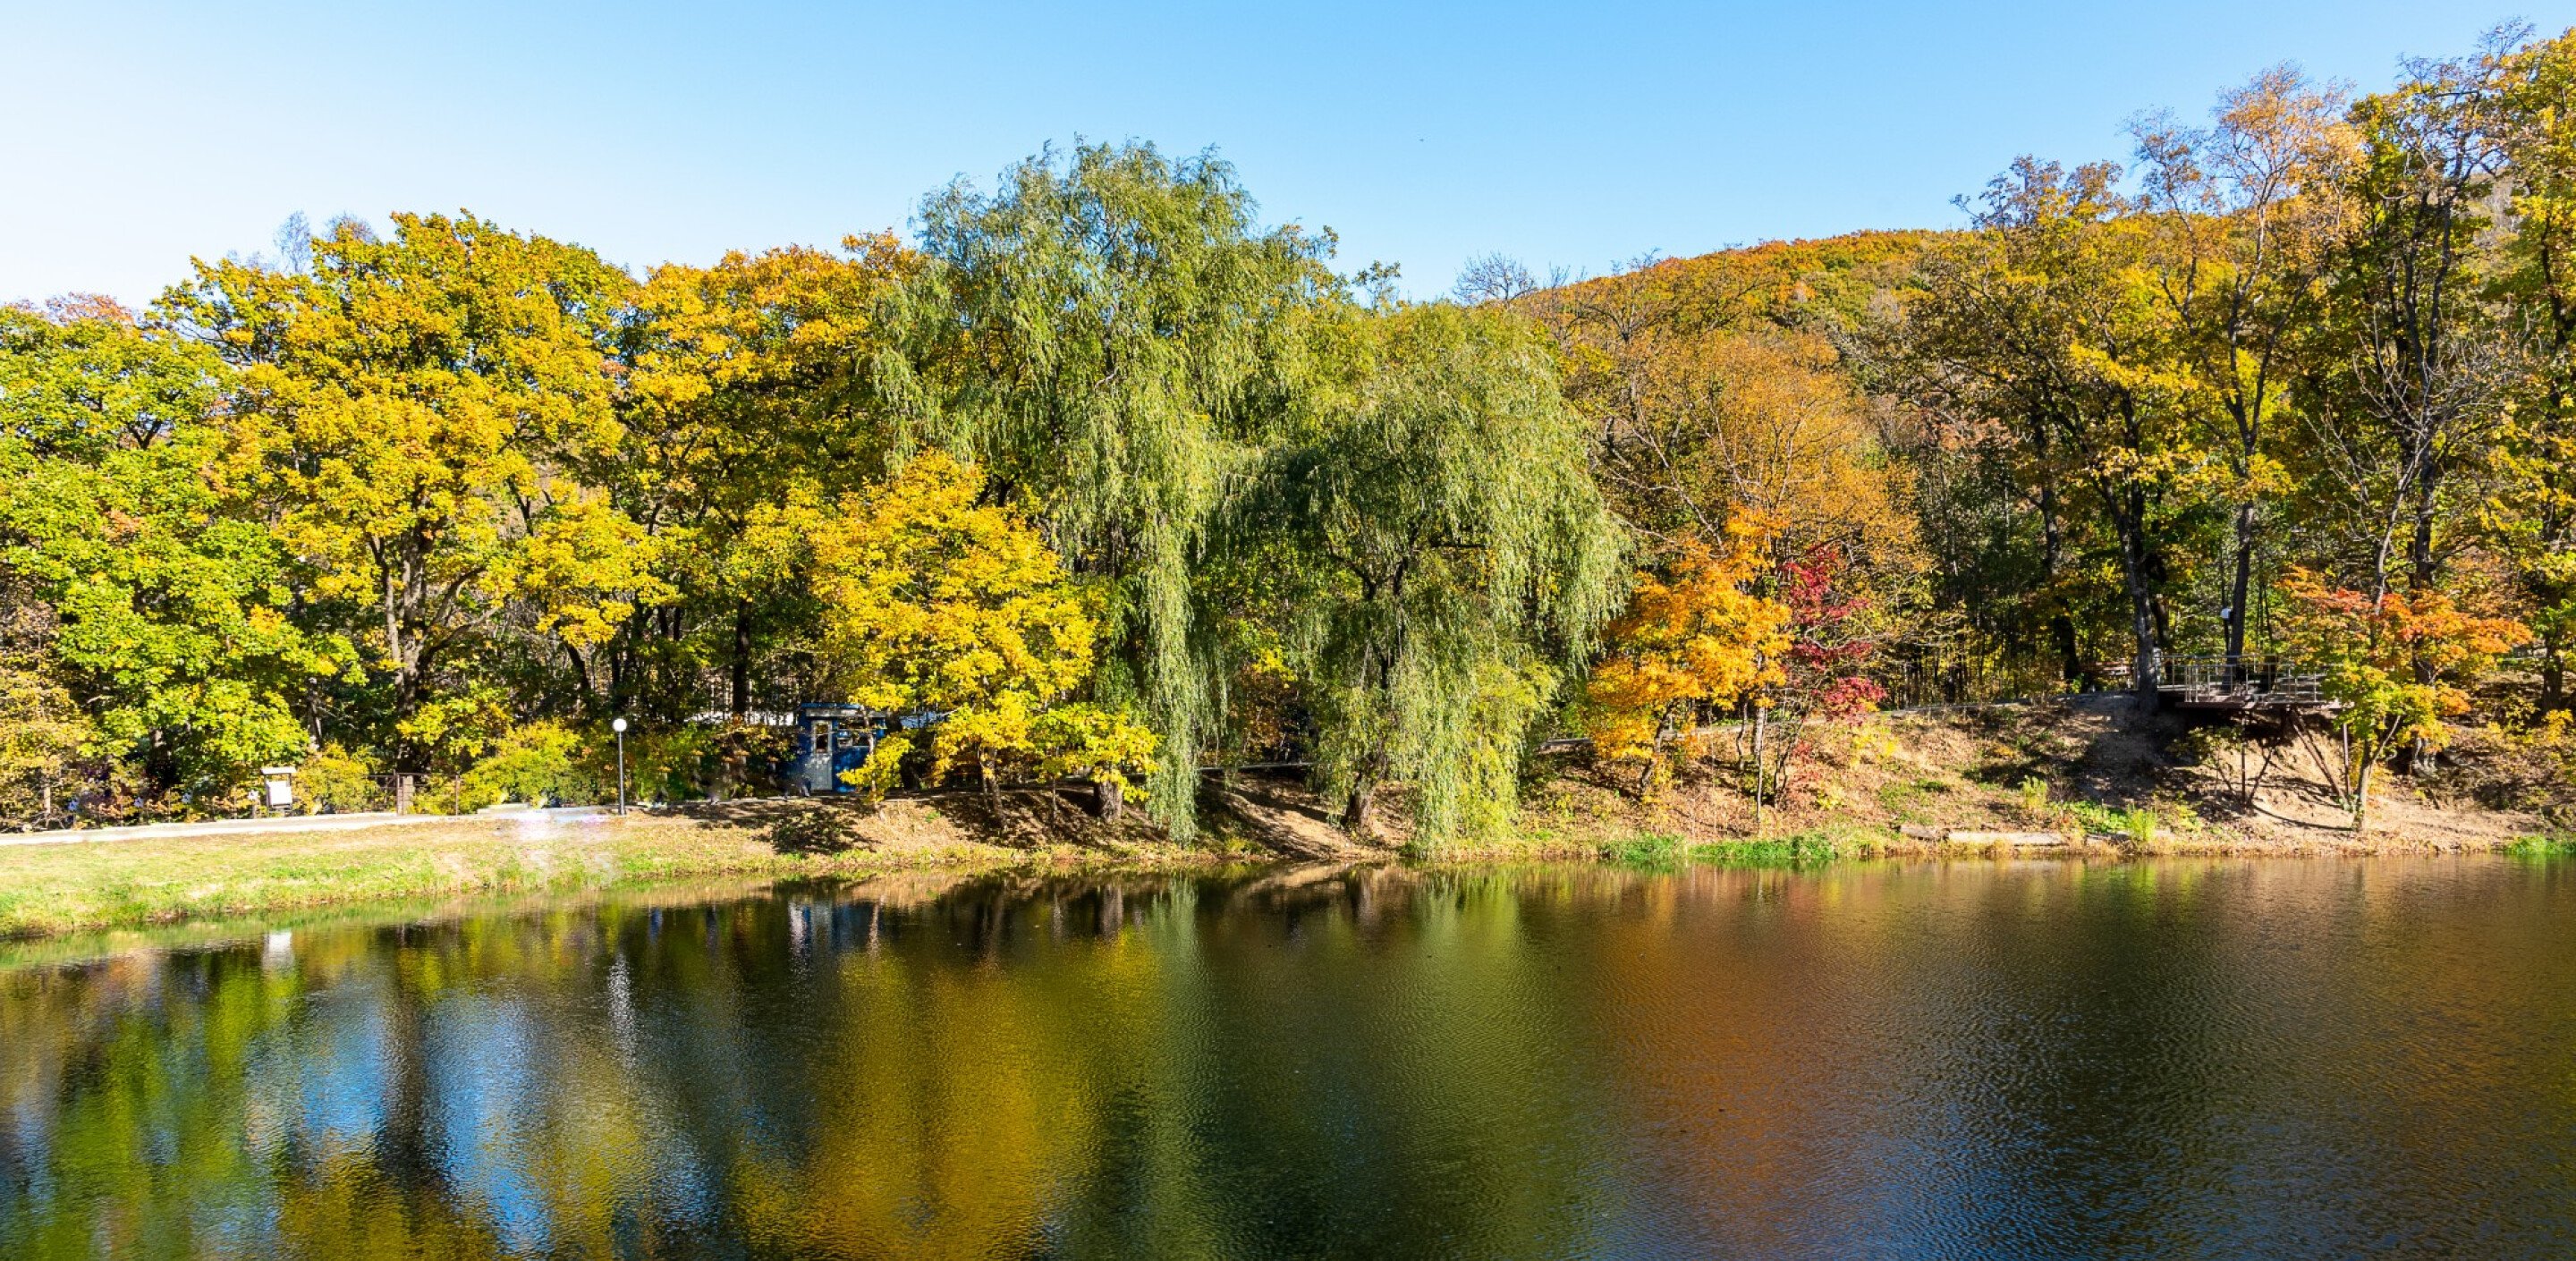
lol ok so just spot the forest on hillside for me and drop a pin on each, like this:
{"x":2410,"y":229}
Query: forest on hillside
{"x":1101,"y":478}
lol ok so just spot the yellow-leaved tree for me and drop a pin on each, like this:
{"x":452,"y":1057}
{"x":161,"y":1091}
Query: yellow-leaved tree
{"x":1699,"y":638}
{"x":412,"y":413}
{"x":940,"y":605}
{"x":749,"y":390}
{"x":41,"y":733}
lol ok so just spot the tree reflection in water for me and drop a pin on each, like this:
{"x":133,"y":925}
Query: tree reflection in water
{"x":2172,"y":1059}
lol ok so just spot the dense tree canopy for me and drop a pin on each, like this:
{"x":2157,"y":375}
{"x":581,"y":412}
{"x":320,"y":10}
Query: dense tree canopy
{"x":1112,"y":336}
{"x":1100,"y":475}
{"x":411,"y":416}
{"x":1451,"y":559}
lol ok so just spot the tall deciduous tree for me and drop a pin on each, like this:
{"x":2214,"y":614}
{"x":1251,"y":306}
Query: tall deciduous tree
{"x":2041,"y":321}
{"x":1453,"y":556}
{"x":750,"y":386}
{"x":412,"y":411}
{"x":2243,"y":215}
{"x":170,"y":612}
{"x":2531,"y":513}
{"x":2412,"y":393}
{"x":1107,"y":334}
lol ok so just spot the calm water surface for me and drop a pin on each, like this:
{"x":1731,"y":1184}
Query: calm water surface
{"x":2296,"y":1058}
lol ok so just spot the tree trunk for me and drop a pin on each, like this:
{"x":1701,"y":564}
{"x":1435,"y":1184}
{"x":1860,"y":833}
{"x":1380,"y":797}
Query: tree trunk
{"x":2147,"y":673}
{"x":405,"y":677}
{"x":2240,"y":589}
{"x":2423,"y":569}
{"x":2052,"y":552}
{"x":1654,"y":759}
{"x":1372,"y":768}
{"x":2553,"y":674}
{"x":393,"y":622}
{"x":580,"y":675}
{"x":1761,"y":712}
{"x":741,"y":664}
{"x":1112,"y":799}
{"x":1356,"y":811}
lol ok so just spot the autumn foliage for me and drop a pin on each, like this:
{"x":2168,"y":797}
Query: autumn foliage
{"x":1097,"y":476}
{"x":942,"y":605}
{"x":2396,"y":666}
{"x":1695,"y":639}
{"x":1833,"y":641}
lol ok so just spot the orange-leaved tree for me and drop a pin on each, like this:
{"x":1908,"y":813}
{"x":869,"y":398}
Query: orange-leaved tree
{"x":1696,"y":639}
{"x":2396,"y":668}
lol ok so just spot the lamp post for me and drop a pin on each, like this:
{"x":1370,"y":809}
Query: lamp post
{"x":619,"y":727}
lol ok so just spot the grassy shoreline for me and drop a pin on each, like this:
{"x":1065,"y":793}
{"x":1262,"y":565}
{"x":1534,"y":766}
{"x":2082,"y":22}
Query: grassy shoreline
{"x":48,"y":890}
{"x":2105,"y":781}
{"x":55,"y":890}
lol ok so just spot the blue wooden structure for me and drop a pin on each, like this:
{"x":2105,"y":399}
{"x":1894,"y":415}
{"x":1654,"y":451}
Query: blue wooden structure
{"x":831,"y":739}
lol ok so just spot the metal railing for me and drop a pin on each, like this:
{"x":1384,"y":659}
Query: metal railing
{"x":2240,"y":681}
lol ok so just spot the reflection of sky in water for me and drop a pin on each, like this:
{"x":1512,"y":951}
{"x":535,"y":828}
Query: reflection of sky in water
{"x":485,"y":1091}
{"x":339,"y":1067}
{"x":1955,"y":1062}
{"x":28,"y":1171}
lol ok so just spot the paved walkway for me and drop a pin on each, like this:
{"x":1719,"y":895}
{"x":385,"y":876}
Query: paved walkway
{"x":300,"y":823}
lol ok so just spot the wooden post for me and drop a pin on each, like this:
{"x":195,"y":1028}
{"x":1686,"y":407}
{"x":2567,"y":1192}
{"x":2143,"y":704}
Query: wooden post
{"x":402,"y":794}
{"x":1760,"y":768}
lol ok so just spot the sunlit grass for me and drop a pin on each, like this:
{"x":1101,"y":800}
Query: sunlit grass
{"x":1655,"y":850}
{"x":2557,"y":846}
{"x":161,"y":880}
{"x":2139,"y":825}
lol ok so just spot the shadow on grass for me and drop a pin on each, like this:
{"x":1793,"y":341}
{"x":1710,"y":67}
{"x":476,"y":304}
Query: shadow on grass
{"x":1252,"y":814}
{"x":789,"y":825}
{"x":816,"y":831}
{"x":1016,"y":818}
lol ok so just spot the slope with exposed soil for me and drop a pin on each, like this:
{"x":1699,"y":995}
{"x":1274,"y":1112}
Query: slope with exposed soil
{"x":2086,"y":768}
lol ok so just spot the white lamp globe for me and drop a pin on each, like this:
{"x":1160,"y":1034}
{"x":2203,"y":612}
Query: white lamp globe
{"x":618,"y":726}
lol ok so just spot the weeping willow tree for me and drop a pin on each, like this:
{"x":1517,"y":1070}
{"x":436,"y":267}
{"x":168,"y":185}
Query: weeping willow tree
{"x":1109,"y":334}
{"x":1455,"y":558}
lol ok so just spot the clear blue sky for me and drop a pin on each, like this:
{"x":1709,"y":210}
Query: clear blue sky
{"x":141,"y":134}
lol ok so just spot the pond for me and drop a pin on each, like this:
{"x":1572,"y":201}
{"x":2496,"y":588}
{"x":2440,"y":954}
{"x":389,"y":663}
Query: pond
{"x":2286,"y":1058}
